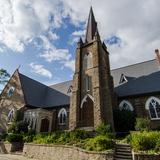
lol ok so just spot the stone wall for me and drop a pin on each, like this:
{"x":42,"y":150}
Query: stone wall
{"x":5,"y":147}
{"x":58,"y":152}
{"x":138,"y":156}
{"x":7,"y":103}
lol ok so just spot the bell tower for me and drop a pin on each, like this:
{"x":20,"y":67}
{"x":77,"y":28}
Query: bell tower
{"x":92,"y":94}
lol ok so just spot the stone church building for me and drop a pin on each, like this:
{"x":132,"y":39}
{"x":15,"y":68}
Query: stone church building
{"x":88,"y":99}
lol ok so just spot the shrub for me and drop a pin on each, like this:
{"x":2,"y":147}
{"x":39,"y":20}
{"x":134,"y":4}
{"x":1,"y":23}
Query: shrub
{"x":157,"y":148}
{"x":143,"y":141}
{"x":79,"y":134}
{"x":28,"y":137}
{"x":124,"y":120}
{"x":18,"y":127}
{"x":127,"y":139}
{"x":142,"y":124}
{"x":14,"y":137}
{"x":103,"y":129}
{"x":3,"y":136}
{"x":99,"y":143}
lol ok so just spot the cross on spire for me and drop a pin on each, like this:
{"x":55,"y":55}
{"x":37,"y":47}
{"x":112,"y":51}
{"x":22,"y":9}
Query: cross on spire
{"x":91,"y":26}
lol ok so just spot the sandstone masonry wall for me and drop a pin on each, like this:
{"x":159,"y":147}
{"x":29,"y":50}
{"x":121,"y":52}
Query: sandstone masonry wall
{"x":60,"y":152}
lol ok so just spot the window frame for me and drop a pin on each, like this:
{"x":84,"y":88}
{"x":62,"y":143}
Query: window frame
{"x":88,"y":83}
{"x":87,"y":61}
{"x":128,"y":103}
{"x":62,"y":112}
{"x":10,"y":91}
{"x":155,"y":110}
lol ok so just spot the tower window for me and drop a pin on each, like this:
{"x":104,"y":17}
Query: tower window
{"x":87,"y":62}
{"x":88,"y":83}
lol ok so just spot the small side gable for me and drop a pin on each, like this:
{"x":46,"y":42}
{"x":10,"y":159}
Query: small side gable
{"x":12,"y":94}
{"x":123,"y":79}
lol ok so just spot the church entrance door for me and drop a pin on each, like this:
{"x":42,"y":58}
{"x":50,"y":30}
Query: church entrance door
{"x":44,"y":125}
{"x":87,"y":113}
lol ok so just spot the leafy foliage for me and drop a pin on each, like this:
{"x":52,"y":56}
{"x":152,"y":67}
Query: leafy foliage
{"x":124,"y":120}
{"x":103,"y":129}
{"x":99,"y":143}
{"x":144,"y":141}
{"x":79,"y":138}
{"x":28,"y":137}
{"x":14,"y":137}
{"x":142,"y":124}
{"x":18,"y":127}
{"x":4,"y":76}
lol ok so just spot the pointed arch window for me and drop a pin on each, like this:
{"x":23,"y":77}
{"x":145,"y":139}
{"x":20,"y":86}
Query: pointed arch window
{"x":11,"y":115}
{"x":62,"y":116}
{"x":88,"y":83}
{"x":10,"y":91}
{"x":88,"y":61}
{"x":126,"y":105}
{"x":153,"y":106}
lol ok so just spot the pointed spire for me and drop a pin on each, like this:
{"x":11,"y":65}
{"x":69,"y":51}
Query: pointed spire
{"x":91,"y":26}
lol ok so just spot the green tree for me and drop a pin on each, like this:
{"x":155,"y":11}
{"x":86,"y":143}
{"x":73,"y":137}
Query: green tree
{"x":4,"y":76}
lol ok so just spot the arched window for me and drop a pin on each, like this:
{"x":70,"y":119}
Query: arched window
{"x":126,"y":105}
{"x":62,"y":116}
{"x":88,"y":83}
{"x":10,"y":91}
{"x":153,"y":106}
{"x":11,"y":115}
{"x":87,"y":62}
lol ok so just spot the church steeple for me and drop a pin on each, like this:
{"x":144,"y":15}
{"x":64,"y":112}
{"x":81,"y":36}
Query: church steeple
{"x":91,"y":26}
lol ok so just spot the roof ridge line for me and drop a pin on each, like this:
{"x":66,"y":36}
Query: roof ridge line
{"x":133,"y":64}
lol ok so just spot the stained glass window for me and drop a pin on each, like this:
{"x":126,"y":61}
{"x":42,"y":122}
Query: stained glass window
{"x":153,"y":105}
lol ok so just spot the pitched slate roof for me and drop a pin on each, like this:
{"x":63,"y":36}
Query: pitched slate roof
{"x":147,"y":78}
{"x":142,"y":85}
{"x":131,"y":72}
{"x":63,"y":87}
{"x":135,"y":70}
{"x":39,"y":95}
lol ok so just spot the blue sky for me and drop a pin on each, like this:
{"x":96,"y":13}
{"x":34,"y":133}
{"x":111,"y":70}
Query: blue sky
{"x":41,"y":36}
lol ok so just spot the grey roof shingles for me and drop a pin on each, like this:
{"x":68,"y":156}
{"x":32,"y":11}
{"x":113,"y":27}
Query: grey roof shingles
{"x":131,"y":72}
{"x":142,"y":85}
{"x":135,"y":70}
{"x":147,"y":78}
{"x":39,"y":95}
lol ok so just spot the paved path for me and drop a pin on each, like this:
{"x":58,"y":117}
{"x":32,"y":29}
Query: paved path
{"x":13,"y":157}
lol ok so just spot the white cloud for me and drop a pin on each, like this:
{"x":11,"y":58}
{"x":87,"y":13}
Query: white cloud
{"x":21,"y":21}
{"x":39,"y":69}
{"x":53,"y":36}
{"x":136,"y":23}
{"x":78,"y":33}
{"x":75,"y":36}
{"x":1,"y":49}
{"x":51,"y":53}
{"x":70,"y":64}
